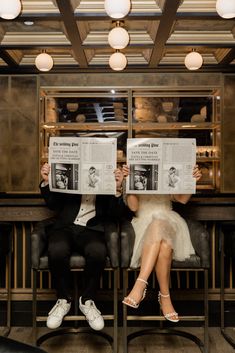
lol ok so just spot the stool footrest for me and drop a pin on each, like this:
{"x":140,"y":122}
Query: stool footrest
{"x":161,"y":318}
{"x":67,"y":331}
{"x":73,"y":318}
{"x":228,"y":337}
{"x":167,"y":331}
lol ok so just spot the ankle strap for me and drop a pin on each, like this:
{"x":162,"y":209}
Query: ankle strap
{"x":164,"y":295}
{"x":142,"y":280}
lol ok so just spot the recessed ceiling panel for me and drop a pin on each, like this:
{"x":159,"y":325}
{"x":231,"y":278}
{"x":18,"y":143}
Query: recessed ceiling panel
{"x":75,"y":34}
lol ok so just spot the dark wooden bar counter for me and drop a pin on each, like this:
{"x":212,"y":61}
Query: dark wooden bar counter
{"x":23,"y":208}
{"x":216,"y":207}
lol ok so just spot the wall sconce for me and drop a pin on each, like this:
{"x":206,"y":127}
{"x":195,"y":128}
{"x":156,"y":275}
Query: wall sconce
{"x":193,"y":61}
{"x":117,"y":8}
{"x":118,"y":37}
{"x":117,"y":61}
{"x":44,"y":62}
{"x":225,"y":8}
{"x":10,"y":9}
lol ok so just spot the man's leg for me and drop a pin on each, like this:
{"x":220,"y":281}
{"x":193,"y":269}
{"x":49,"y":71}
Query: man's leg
{"x":59,"y":250}
{"x":94,"y":251}
{"x":95,"y":254}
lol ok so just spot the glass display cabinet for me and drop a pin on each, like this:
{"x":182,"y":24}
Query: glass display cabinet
{"x":136,"y":113}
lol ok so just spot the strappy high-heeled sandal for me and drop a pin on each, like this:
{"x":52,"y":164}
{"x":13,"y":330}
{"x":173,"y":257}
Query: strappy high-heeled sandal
{"x":168,"y":316}
{"x":129,"y":301}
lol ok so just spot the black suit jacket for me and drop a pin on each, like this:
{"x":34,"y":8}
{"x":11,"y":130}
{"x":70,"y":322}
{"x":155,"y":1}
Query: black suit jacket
{"x":108,"y":208}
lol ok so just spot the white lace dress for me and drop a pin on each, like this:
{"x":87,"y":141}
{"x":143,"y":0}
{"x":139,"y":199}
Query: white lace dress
{"x":155,"y":220}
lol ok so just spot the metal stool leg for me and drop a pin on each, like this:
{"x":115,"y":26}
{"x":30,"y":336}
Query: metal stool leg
{"x":124,"y":328}
{"x":34,"y":307}
{"x":9,"y":269}
{"x":228,"y":338}
{"x":206,"y":312}
{"x":115,"y":311}
{"x":9,"y":292}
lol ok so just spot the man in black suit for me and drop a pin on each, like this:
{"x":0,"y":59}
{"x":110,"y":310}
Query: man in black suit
{"x":79,"y":225}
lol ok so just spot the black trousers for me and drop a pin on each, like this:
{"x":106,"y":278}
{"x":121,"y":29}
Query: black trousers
{"x":89,"y":243}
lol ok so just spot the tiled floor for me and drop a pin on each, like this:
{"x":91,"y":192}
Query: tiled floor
{"x":81,"y":343}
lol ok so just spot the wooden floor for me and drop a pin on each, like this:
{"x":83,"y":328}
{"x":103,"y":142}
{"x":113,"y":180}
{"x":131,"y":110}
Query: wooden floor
{"x":78,"y":343}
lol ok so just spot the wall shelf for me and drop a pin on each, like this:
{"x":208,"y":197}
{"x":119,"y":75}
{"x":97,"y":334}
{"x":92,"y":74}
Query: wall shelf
{"x":174,"y":126}
{"x":111,"y":126}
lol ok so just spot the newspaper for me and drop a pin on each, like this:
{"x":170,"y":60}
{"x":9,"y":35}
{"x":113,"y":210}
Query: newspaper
{"x":161,"y":165}
{"x":82,"y":165}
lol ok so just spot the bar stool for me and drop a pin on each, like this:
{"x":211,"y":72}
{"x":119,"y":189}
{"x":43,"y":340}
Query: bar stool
{"x":77,"y":262}
{"x":227,"y":235}
{"x":198,"y":262}
{"x":6,"y":257}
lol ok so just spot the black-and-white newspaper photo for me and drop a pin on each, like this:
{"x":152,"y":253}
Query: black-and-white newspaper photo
{"x":82,"y":165}
{"x":161,"y":165}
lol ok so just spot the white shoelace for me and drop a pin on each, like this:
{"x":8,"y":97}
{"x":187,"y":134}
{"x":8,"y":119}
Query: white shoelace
{"x":58,"y":308}
{"x":93,"y":312}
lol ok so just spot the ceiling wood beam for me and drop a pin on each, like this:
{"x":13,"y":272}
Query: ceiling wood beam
{"x":227,"y":59}
{"x":74,"y":3}
{"x":164,"y":30}
{"x":143,"y":46}
{"x":101,"y":69}
{"x":35,"y":46}
{"x":195,"y":16}
{"x":200,"y":45}
{"x":8,"y":59}
{"x":72,"y":31}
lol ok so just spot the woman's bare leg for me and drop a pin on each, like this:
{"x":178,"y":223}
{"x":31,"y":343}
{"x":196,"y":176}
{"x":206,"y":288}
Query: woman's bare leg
{"x":148,"y":262}
{"x":162,"y":270}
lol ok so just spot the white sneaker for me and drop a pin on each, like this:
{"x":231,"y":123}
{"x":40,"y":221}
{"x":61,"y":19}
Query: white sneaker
{"x":57,"y":313}
{"x":92,"y":314}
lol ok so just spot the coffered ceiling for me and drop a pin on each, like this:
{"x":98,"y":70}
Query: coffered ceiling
{"x":75,"y":34}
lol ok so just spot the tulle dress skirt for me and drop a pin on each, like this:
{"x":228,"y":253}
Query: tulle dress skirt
{"x":156,"y":221}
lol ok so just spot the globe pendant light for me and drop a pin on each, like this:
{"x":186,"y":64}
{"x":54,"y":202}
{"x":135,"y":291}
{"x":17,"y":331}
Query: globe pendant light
{"x":117,"y":61}
{"x":10,"y":9}
{"x":193,"y":61}
{"x":44,"y":62}
{"x":117,"y":8}
{"x":118,"y":38}
{"x":226,"y":8}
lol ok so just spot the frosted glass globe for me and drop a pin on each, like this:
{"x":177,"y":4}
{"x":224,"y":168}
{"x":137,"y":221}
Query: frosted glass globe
{"x":44,"y":62}
{"x":117,"y":61}
{"x":226,"y":8}
{"x":10,"y":9}
{"x":117,"y":8}
{"x":118,"y":38}
{"x":193,"y":61}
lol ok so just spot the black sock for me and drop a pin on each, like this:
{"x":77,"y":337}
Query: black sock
{"x":69,"y":299}
{"x":84,"y":299}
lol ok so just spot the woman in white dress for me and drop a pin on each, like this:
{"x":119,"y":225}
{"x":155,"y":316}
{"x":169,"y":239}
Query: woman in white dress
{"x":161,"y":234}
